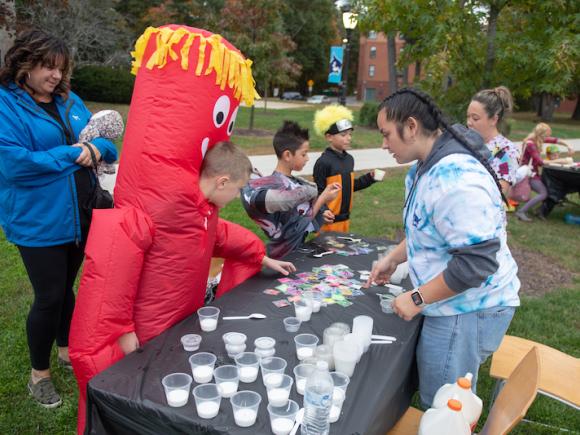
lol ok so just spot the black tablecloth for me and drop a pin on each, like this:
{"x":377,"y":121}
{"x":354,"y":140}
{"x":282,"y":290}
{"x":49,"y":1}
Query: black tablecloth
{"x":128,"y":397}
{"x":559,"y":181}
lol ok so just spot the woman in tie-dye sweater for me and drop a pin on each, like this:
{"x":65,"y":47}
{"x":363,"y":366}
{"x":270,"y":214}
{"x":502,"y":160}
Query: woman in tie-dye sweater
{"x":459,"y":262}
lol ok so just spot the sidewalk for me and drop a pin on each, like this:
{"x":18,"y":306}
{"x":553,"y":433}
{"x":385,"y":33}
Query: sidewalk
{"x":364,"y":160}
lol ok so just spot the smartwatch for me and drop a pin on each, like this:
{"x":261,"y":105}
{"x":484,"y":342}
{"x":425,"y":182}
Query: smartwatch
{"x":417,"y":298}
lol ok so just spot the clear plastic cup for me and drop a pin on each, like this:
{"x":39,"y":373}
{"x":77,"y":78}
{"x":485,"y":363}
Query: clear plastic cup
{"x":387,"y":305}
{"x":176,"y":386}
{"x":208,"y":318}
{"x":314,"y":298}
{"x":362,"y":329}
{"x":338,"y":397}
{"x":272,"y":370}
{"x":245,"y":405}
{"x":227,"y":380}
{"x":345,"y":357}
{"x":278,"y":395}
{"x":378,"y":174}
{"x":303,"y":310}
{"x":191,"y":342}
{"x":357,"y":343}
{"x":292,"y":324}
{"x":207,"y":400}
{"x":305,"y":345}
{"x":202,"y":365}
{"x":265,"y":347}
{"x":282,"y":417}
{"x":332,"y":334}
{"x":400,"y":273}
{"x":248,"y":366}
{"x":235,"y":343}
{"x":340,"y":380}
{"x":324,"y":353}
{"x":301,"y":372}
{"x":341,"y":325}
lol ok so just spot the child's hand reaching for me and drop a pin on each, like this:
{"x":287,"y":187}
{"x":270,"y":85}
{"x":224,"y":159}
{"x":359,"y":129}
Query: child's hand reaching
{"x":328,"y":216}
{"x":284,"y":267}
{"x":330,"y":192}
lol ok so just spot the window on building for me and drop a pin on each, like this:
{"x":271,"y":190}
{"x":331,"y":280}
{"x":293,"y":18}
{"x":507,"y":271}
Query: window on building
{"x":371,"y":70}
{"x":373,"y":52}
{"x":372,"y":34}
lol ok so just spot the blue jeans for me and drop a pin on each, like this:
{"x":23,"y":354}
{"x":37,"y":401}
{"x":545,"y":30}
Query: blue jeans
{"x":451,"y":346}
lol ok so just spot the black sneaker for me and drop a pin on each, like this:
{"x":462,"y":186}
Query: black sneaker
{"x":44,"y":393}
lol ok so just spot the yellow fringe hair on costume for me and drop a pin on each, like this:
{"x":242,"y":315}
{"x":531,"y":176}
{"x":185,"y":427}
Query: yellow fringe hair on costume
{"x":230,"y":67}
{"x":324,"y":118}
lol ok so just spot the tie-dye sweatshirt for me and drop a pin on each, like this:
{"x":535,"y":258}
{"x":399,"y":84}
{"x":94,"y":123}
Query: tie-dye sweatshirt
{"x":454,"y":223}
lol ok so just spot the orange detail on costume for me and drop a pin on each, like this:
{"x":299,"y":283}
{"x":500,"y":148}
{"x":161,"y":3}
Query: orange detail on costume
{"x":147,"y":260}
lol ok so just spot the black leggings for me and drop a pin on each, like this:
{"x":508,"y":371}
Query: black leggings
{"x":52,"y":271}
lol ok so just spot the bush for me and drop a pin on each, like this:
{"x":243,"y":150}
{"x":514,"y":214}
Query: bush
{"x":103,"y":84}
{"x":368,"y":114}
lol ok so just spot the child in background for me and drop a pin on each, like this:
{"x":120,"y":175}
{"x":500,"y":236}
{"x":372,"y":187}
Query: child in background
{"x":531,"y":153}
{"x":288,"y":208}
{"x":335,"y":165}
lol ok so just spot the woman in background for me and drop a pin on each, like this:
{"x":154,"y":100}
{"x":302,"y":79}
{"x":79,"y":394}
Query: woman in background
{"x":485,"y":114}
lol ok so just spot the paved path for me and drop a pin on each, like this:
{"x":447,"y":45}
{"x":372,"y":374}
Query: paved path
{"x":365,"y":159}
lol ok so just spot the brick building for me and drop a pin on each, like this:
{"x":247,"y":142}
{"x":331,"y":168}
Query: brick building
{"x":373,"y":67}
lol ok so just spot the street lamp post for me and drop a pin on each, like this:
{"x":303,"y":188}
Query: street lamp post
{"x":349,"y":20}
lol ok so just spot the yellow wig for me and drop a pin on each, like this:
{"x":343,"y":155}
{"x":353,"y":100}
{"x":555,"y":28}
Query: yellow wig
{"x":324,"y":118}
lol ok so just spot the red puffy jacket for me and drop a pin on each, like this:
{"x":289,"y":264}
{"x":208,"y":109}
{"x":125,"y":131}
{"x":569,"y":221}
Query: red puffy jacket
{"x":147,"y":260}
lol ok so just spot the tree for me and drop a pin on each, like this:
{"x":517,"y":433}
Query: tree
{"x":532,"y":47}
{"x":94,"y":31}
{"x":543,"y":59}
{"x":256,"y":28}
{"x":203,"y":14}
{"x":7,"y":27}
{"x":444,"y":36}
{"x":312,"y":25}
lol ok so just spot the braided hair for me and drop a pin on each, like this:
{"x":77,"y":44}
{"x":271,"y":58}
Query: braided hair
{"x":407,"y":102}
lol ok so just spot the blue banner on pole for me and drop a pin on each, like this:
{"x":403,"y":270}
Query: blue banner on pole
{"x":336,"y":57}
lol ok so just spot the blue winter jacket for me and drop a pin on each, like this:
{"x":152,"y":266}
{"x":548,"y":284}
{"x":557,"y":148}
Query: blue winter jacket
{"x":38,"y":198}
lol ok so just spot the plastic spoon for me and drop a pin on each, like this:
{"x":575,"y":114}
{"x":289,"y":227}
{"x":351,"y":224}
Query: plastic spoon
{"x":322,"y":254}
{"x":350,"y":239}
{"x":383,"y":337}
{"x":251,"y":316}
{"x":299,"y":418}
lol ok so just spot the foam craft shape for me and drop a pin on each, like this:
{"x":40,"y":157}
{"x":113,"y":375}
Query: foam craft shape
{"x":159,"y":239}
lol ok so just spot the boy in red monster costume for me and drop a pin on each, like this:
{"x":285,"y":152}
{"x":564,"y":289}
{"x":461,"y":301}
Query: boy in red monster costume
{"x":147,"y":260}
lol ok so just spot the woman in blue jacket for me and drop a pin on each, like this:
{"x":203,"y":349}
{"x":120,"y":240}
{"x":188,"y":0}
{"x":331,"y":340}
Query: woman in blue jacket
{"x":45,"y":183}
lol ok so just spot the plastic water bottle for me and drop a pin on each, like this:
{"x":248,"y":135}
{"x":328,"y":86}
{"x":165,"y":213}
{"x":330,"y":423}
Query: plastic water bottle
{"x":570,"y":218}
{"x":461,"y":390}
{"x":317,"y":401}
{"x":444,"y":421}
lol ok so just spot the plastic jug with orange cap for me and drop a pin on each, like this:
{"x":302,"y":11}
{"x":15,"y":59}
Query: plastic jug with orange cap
{"x":444,"y":421}
{"x":471,"y":404}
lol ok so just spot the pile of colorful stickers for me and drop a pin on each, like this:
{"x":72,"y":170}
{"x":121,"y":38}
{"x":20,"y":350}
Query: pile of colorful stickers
{"x":334,"y":281}
{"x":347,"y":246}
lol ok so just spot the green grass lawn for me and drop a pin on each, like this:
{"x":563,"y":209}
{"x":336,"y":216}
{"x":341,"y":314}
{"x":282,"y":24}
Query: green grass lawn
{"x":552,"y":319}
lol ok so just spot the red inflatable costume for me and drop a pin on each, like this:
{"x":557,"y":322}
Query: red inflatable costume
{"x":147,"y":260}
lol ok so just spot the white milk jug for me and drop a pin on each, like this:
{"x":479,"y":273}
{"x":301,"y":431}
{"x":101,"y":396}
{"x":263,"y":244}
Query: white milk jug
{"x":471,"y":404}
{"x":444,"y":421}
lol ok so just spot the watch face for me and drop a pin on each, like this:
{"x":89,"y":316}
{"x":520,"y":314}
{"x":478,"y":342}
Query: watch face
{"x":417,"y":299}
